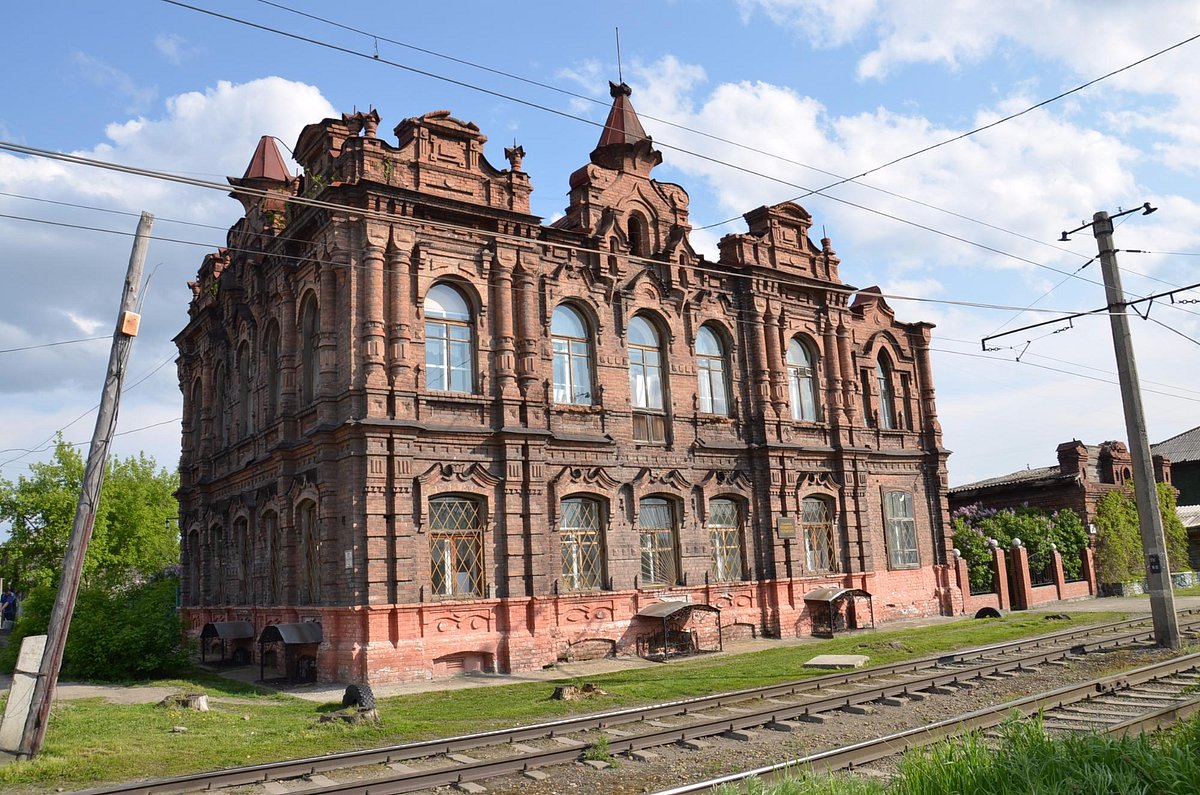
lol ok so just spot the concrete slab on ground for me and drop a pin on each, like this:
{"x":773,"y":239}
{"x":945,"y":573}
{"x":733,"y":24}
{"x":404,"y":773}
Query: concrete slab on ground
{"x":837,"y":661}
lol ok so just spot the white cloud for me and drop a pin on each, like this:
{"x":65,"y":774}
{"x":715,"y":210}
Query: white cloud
{"x":174,"y":48}
{"x":110,"y":78}
{"x":84,"y":324}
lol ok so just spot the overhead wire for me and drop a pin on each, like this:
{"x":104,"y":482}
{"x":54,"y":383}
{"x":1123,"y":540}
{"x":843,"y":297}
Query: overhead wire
{"x":53,"y":344}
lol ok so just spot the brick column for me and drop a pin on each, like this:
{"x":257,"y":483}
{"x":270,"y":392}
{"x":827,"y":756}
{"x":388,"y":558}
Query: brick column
{"x":1060,"y":578}
{"x":1088,"y":570}
{"x":371,"y":327}
{"x":1000,"y":575}
{"x":1022,"y":588}
{"x":963,"y":576}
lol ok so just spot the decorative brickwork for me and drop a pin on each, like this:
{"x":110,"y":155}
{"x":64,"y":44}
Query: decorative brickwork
{"x":391,"y":428}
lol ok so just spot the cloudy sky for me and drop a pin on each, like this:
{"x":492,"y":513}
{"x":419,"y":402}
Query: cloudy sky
{"x":794,"y":96}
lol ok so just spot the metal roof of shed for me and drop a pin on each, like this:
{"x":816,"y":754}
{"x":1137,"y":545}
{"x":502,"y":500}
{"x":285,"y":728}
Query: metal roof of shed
{"x":227,"y":630}
{"x":291,"y":634}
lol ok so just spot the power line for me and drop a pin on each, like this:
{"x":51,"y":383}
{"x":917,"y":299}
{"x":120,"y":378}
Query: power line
{"x":53,"y":344}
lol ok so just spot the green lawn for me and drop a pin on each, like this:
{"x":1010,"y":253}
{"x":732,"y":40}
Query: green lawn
{"x":91,"y":742}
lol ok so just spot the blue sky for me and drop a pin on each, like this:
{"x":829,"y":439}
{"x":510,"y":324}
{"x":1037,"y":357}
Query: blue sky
{"x":836,"y":85}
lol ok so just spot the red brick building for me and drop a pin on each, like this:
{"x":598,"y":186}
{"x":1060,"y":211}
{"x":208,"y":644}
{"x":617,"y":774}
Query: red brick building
{"x":459,"y":438}
{"x":1083,"y":475}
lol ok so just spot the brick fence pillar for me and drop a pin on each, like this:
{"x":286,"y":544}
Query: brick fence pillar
{"x":963,"y":575}
{"x":1000,"y":575}
{"x":1060,"y":577}
{"x":1088,"y":570}
{"x":1022,"y":589}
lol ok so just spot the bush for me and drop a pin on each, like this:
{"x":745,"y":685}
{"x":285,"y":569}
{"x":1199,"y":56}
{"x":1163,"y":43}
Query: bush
{"x":128,"y":634}
{"x":972,"y":526}
{"x":1119,"y":556}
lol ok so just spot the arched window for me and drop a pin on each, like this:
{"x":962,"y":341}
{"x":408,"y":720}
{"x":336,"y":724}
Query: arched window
{"x":572,"y":357}
{"x":802,"y":381}
{"x":456,"y":547}
{"x":887,"y":393}
{"x":820,"y":549}
{"x":216,"y":565}
{"x":310,"y":549}
{"x":240,"y":558}
{"x":710,"y":372}
{"x":271,"y":363}
{"x":646,"y":383}
{"x":193,"y":567}
{"x":310,"y":327}
{"x":449,"y":358}
{"x":658,"y":536}
{"x":581,"y":536}
{"x":273,"y":557}
{"x":639,"y":235}
{"x":725,"y":536}
{"x":197,"y":418}
{"x":220,"y":411}
{"x":245,"y":422}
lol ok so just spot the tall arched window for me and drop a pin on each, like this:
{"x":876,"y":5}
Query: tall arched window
{"x":572,"y":357}
{"x":193,"y":567}
{"x":273,"y":557}
{"x":449,"y":357}
{"x":310,"y":327}
{"x":820,"y":549}
{"x":658,"y":535}
{"x":271,"y":363}
{"x":725,"y":537}
{"x":240,"y":558}
{"x":456,"y":547}
{"x":802,"y":381}
{"x":639,"y":235}
{"x":710,"y":372}
{"x":310,"y":548}
{"x":581,"y":537}
{"x":646,"y":382}
{"x":197,"y":418}
{"x":220,"y":410}
{"x":245,"y":423}
{"x":886,"y":392}
{"x":217,"y":561}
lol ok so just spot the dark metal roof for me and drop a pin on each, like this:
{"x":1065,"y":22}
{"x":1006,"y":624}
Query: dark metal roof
{"x":304,"y":632}
{"x":227,"y":630}
{"x":1181,"y":448}
{"x":833,"y":593}
{"x":665,"y":609}
{"x":1046,"y":475}
{"x":267,"y":163}
{"x":1189,"y":515}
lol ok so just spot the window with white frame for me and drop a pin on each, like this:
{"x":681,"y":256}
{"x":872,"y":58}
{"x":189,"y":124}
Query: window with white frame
{"x":572,"y":357}
{"x":646,"y":382}
{"x":710,"y":373}
{"x":802,"y":381}
{"x":456,"y":547}
{"x":886,"y":392}
{"x":657,"y":535}
{"x":725,"y":538}
{"x":901,"y":530}
{"x":582,"y":542}
{"x":449,"y":341}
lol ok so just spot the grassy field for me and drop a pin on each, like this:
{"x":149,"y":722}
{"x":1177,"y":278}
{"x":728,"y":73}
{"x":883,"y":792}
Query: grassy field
{"x":91,"y":742}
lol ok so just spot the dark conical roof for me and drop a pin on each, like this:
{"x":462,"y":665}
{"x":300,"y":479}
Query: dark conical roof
{"x":622,"y":126}
{"x":267,"y":163}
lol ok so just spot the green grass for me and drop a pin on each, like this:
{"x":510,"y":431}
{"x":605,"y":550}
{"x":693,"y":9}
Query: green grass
{"x":90,"y":742}
{"x":1192,"y":591}
{"x":1027,"y":762}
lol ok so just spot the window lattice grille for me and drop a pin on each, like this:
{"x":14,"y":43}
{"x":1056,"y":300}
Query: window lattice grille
{"x":456,"y":548}
{"x":657,"y":529}
{"x":820,"y":550}
{"x":580,"y":537}
{"x":726,"y":539}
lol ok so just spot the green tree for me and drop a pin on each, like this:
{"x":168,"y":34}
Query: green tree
{"x":132,"y":538}
{"x":1119,"y":556}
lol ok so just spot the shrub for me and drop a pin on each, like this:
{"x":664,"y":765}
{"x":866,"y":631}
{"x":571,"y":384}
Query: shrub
{"x":1119,"y":556}
{"x":127,"y":634}
{"x":972,"y":526}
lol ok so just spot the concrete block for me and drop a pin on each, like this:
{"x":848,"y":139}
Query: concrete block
{"x":469,"y":786}
{"x":781,"y":726}
{"x":597,"y":764}
{"x":892,"y":701}
{"x":643,"y":756}
{"x":813,"y":717}
{"x":738,"y":734}
{"x":535,"y":775}
{"x":859,"y":709}
{"x":519,"y":748}
{"x":837,"y":661}
{"x":400,"y":767}
{"x":694,"y":745}
{"x":462,"y":759}
{"x":568,"y":742}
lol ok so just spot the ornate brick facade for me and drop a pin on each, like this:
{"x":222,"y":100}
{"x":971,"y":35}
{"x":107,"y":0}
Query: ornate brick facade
{"x":460,"y":438}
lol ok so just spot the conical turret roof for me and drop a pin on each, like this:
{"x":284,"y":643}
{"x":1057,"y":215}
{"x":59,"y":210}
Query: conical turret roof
{"x":623,"y":125}
{"x":267,"y":162}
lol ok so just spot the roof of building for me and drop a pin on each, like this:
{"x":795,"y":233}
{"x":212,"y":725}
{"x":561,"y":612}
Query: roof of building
{"x":623,"y":125}
{"x":1189,"y":515}
{"x":267,"y":163}
{"x":1028,"y":477}
{"x":1181,"y":448}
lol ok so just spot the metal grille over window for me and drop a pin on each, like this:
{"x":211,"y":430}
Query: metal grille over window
{"x":580,"y":537}
{"x":901,"y":530}
{"x":456,"y":547}
{"x":656,"y":523}
{"x":820,"y":552}
{"x":725,"y":533}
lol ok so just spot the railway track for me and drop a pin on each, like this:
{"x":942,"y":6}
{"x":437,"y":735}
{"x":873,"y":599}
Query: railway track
{"x":511,"y":751}
{"x":1131,"y":702}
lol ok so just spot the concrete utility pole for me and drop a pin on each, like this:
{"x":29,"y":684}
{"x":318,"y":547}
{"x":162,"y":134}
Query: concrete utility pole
{"x":89,"y":495}
{"x":1158,"y":572}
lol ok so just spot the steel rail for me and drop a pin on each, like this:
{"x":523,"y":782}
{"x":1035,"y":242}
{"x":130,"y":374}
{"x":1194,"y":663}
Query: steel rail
{"x":850,"y":756}
{"x":397,"y":753}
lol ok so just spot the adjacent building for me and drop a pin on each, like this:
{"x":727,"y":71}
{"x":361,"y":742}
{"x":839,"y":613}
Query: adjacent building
{"x":456,"y":437}
{"x":1183,"y":451}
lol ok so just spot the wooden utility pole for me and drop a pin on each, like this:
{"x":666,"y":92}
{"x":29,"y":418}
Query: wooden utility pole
{"x":89,"y":496}
{"x":1154,"y":543}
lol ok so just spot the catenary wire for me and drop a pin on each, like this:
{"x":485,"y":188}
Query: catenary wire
{"x":53,"y":344}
